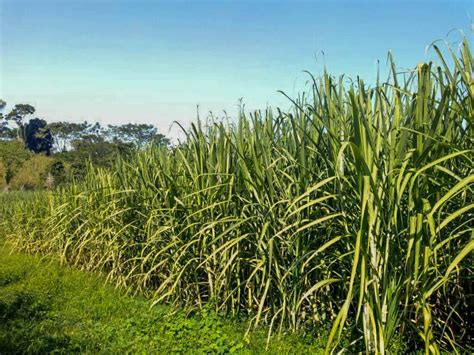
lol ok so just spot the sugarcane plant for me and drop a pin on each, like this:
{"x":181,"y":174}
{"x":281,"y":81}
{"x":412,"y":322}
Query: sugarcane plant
{"x":355,"y":208}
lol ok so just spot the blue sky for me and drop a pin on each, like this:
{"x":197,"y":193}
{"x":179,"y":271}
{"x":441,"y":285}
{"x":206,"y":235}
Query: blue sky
{"x":155,"y":61}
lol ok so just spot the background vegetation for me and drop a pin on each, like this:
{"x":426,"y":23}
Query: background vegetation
{"x":36,"y":154}
{"x":353,"y":209}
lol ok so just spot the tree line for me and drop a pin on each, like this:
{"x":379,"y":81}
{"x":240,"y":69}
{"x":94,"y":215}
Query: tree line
{"x":36,"y":153}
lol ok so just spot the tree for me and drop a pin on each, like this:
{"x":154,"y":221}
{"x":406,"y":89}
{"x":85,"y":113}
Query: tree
{"x":2,"y":106}
{"x":64,"y":133}
{"x":17,"y":115}
{"x":19,"y":112}
{"x":35,"y":134}
{"x":137,"y":134}
{"x":5,"y":131}
{"x":38,"y":137}
{"x":58,"y":172}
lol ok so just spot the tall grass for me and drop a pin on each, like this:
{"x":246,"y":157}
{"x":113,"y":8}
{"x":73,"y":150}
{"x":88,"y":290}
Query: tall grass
{"x":354,"y":208}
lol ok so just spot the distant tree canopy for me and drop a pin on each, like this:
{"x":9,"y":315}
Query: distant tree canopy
{"x":130,"y":134}
{"x":137,"y":134}
{"x":71,"y":144}
{"x":19,"y":112}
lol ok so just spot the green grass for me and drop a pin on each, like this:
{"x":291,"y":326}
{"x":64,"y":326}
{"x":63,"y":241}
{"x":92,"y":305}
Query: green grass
{"x":48,"y":308}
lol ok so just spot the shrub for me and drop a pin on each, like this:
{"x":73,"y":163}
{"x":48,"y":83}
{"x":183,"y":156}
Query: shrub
{"x":33,"y":173}
{"x":13,"y":154}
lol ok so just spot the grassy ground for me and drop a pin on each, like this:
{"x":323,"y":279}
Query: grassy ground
{"x":45,"y":307}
